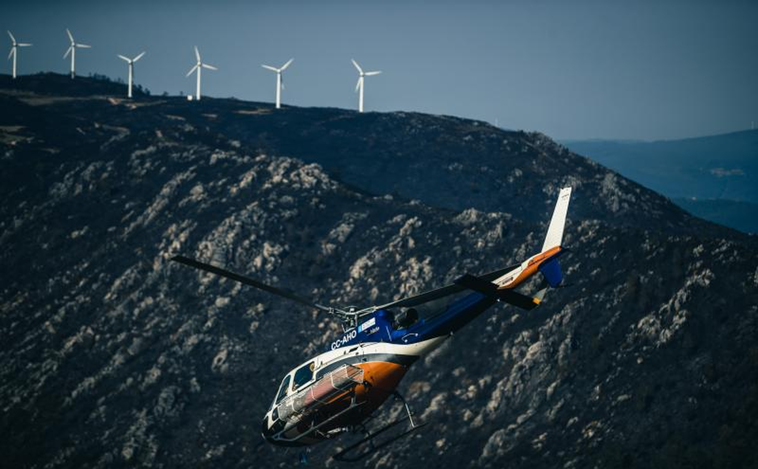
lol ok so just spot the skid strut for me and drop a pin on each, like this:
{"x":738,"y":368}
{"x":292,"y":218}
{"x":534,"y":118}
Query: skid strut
{"x":346,"y":454}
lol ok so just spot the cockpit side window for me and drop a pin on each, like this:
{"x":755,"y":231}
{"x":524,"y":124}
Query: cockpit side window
{"x":303,"y":375}
{"x":283,"y":389}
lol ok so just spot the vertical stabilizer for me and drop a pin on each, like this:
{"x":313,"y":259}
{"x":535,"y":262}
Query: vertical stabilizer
{"x":555,"y":231}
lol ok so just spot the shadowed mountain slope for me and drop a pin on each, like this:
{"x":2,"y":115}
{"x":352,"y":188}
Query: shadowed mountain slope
{"x":114,"y":357}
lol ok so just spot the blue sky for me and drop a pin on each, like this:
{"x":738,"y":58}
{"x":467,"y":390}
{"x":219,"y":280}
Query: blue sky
{"x":571,"y":69}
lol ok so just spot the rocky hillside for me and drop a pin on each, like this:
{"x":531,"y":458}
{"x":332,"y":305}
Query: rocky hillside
{"x":114,"y":357}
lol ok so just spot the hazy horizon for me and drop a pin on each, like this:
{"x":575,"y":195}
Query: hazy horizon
{"x":677,"y":69}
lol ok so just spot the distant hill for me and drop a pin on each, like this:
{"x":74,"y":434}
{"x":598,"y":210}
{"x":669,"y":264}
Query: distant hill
{"x":715,"y":168}
{"x":739,"y":215}
{"x":113,"y":356}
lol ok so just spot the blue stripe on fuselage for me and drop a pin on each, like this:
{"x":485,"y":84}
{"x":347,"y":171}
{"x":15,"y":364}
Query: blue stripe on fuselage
{"x":455,"y":317}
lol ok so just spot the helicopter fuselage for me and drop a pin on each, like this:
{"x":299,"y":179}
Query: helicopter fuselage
{"x":340,"y":388}
{"x":378,"y":353}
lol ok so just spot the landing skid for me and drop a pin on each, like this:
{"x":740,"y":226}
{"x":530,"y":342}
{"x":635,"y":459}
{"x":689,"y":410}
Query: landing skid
{"x":346,"y":455}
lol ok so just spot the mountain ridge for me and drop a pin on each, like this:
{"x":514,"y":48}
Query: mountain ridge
{"x":114,"y":357}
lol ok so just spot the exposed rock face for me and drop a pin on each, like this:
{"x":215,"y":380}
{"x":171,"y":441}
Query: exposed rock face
{"x":113,"y":356}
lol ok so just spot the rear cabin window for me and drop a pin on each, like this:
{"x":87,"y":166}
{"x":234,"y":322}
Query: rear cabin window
{"x":303,"y":375}
{"x":283,"y":389}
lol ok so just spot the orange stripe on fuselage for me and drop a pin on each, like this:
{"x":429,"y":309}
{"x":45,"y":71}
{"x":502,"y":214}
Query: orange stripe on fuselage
{"x":382,"y":378}
{"x":531,"y":268}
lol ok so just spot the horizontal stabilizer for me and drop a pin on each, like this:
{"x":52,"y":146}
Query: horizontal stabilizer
{"x":490,"y":289}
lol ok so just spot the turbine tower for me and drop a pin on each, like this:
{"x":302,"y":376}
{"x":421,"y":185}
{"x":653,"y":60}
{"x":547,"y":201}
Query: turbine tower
{"x":199,"y":66}
{"x":14,"y":51}
{"x":72,"y":50}
{"x":131,"y":69}
{"x":361,"y":79}
{"x":279,"y":81}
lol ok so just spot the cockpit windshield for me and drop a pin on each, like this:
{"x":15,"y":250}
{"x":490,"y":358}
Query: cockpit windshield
{"x":303,"y":375}
{"x":283,"y":389}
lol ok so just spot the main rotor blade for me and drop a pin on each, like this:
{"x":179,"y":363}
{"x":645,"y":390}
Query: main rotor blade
{"x":284,"y":67}
{"x":12,"y":38}
{"x":209,"y":67}
{"x":247,"y":281}
{"x":192,"y":70}
{"x":360,"y":70}
{"x":68,"y":51}
{"x":442,"y":292}
{"x":83,"y":46}
{"x":371,"y":74}
{"x":138,"y":57}
{"x":124,"y":58}
{"x":197,"y":54}
{"x":269,"y":67}
{"x":70,"y":36}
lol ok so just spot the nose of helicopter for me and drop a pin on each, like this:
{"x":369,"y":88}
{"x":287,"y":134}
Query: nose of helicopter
{"x":266,"y":431}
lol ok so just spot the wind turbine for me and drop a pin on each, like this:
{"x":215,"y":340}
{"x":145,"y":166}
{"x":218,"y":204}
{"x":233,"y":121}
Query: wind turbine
{"x":199,"y":66}
{"x":72,"y":50}
{"x":14,"y":51}
{"x":131,"y":69}
{"x":279,"y":81}
{"x":359,"y":85}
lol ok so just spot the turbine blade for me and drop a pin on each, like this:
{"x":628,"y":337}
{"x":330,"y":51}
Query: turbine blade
{"x":69,"y":35}
{"x":68,"y":51}
{"x":123,"y":58}
{"x":12,"y":38}
{"x":83,"y":46}
{"x":24,"y":44}
{"x":358,"y":85}
{"x":269,"y":67}
{"x":360,"y":70}
{"x":371,"y":74}
{"x":192,"y":70}
{"x":138,"y":57}
{"x":209,"y":67}
{"x":10,"y":54}
{"x":284,"y":67}
{"x":197,"y":54}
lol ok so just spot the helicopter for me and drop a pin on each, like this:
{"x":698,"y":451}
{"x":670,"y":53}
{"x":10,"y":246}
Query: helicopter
{"x":337,"y":391}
